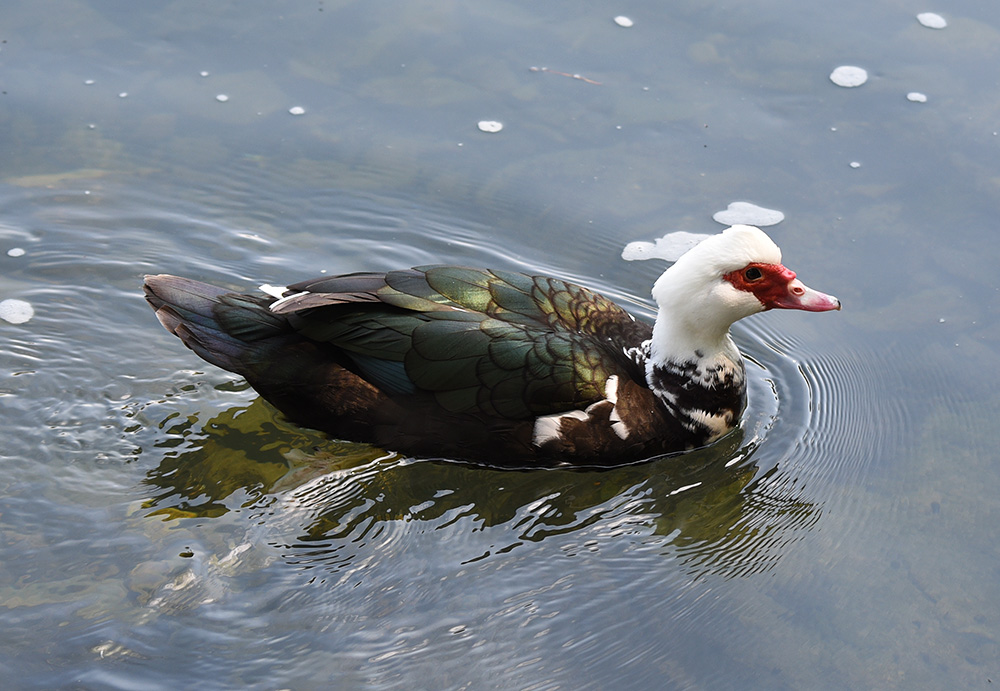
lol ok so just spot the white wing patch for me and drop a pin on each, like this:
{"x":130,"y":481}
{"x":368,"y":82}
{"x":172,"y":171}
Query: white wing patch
{"x":611,"y":394}
{"x":549,"y":427}
{"x":282,"y":300}
{"x":273,"y":291}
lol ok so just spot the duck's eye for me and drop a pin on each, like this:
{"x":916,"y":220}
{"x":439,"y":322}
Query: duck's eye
{"x":753,"y":274}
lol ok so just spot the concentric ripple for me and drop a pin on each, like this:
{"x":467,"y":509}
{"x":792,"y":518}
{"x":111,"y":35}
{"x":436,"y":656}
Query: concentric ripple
{"x":840,"y":409}
{"x":354,"y":527}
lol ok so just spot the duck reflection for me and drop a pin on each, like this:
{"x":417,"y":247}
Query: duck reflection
{"x":726,"y":509}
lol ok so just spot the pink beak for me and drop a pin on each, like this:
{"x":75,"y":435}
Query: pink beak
{"x":799,"y":296}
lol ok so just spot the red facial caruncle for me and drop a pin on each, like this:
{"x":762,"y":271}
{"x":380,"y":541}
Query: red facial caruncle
{"x":777,"y":287}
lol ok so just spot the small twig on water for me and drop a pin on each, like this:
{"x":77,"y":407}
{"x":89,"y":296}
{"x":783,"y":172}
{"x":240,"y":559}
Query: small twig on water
{"x":564,"y":74}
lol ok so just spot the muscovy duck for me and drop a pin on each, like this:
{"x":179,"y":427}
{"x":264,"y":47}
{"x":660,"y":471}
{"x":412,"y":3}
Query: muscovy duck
{"x":496,"y":366}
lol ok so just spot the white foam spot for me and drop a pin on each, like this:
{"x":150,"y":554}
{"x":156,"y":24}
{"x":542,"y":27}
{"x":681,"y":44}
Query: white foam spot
{"x":15,"y":252}
{"x":855,"y":164}
{"x":745,"y":213}
{"x":849,"y":76}
{"x":623,"y":21}
{"x":123,"y":94}
{"x":490,"y":126}
{"x":89,"y":82}
{"x":932,"y":20}
{"x":16,"y":311}
{"x":670,"y":247}
{"x":916,"y":97}
{"x":203,"y":73}
{"x":297,"y":110}
{"x":222,"y":98}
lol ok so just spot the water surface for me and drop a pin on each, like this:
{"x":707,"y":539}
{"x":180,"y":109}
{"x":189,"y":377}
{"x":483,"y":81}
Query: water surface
{"x":160,"y":526}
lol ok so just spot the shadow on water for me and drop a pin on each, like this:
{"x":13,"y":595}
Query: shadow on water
{"x":727,"y":509}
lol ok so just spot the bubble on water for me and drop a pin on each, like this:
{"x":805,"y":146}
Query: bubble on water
{"x":745,"y":213}
{"x":203,"y":73}
{"x":623,"y":21}
{"x":490,"y":126}
{"x":855,"y":164}
{"x":849,"y":76}
{"x":297,"y":110}
{"x":16,"y":311}
{"x":932,"y":20}
{"x":222,"y":98}
{"x":15,"y":252}
{"x":916,"y":97}
{"x":89,"y":82}
{"x":670,"y":247}
{"x":123,"y":94}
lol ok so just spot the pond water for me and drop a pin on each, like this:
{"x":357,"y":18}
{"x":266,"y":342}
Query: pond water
{"x":162,"y":527}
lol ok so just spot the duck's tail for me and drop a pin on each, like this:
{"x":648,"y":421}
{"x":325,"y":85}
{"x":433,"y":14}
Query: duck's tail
{"x":241,"y":334}
{"x":223,"y":328}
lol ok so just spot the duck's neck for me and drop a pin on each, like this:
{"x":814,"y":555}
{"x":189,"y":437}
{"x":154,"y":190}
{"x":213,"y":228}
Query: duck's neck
{"x":693,"y":320}
{"x":683,"y":341}
{"x":697,"y":373}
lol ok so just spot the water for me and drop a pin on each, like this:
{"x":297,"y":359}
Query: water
{"x":161,"y":527}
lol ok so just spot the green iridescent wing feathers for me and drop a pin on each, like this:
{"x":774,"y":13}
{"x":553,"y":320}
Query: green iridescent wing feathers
{"x":488,"y":342}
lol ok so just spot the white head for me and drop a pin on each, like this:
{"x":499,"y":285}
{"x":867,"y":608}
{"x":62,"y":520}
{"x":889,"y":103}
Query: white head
{"x":722,"y":279}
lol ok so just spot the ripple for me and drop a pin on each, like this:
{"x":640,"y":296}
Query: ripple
{"x":702,"y":507}
{"x":343,"y":514}
{"x":854,"y":422}
{"x":841,"y":413}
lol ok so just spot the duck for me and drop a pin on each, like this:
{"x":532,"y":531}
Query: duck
{"x":495,"y":366}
